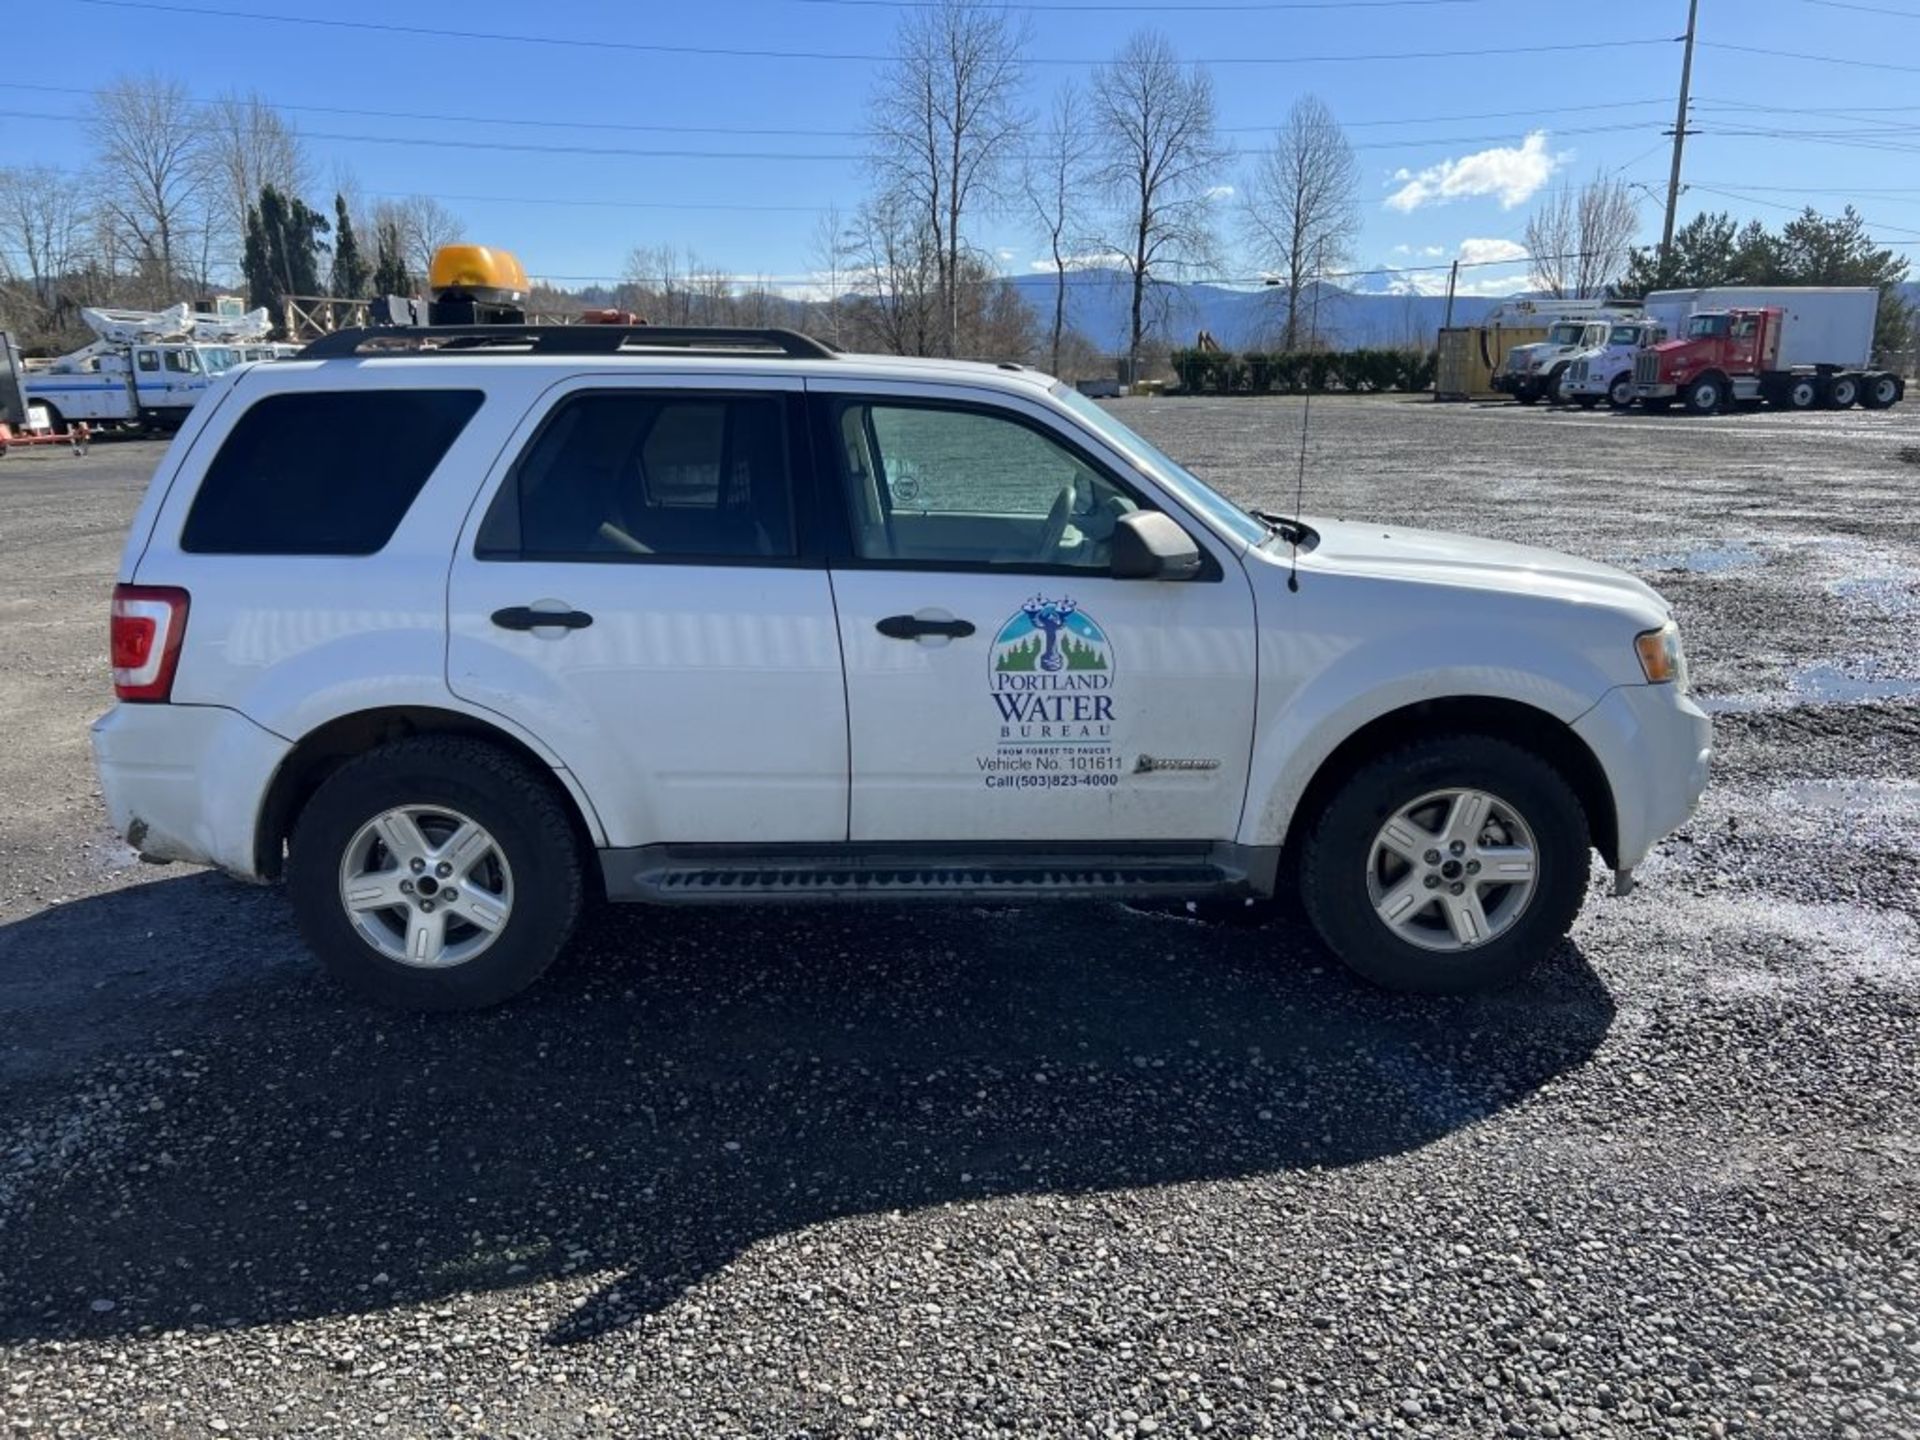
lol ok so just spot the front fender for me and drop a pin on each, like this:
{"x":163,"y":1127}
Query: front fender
{"x":1316,"y":691}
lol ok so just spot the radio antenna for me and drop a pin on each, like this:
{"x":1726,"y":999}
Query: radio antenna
{"x":1306,"y":414}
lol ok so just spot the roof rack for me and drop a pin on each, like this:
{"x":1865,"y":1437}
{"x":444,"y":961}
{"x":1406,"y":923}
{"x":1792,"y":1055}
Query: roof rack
{"x":404,"y":341}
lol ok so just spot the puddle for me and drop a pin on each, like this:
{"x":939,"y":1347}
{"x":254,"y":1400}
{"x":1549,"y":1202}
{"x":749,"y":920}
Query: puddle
{"x":1890,"y":596}
{"x":1855,"y":797}
{"x":1815,"y":685}
{"x":1707,"y":560}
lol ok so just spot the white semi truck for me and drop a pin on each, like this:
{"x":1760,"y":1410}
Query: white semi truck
{"x":146,"y":367}
{"x":1535,"y":372}
{"x":1606,"y":371}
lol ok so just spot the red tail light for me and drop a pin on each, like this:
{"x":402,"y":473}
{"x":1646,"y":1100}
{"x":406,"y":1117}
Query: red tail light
{"x":149,"y":622}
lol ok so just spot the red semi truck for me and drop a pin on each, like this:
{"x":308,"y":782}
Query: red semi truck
{"x":1797,"y":348}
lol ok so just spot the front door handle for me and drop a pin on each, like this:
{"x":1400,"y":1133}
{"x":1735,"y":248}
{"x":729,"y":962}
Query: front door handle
{"x":912,"y":627}
{"x":525,"y":617}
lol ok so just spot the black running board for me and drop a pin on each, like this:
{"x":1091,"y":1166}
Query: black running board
{"x":723,"y":874}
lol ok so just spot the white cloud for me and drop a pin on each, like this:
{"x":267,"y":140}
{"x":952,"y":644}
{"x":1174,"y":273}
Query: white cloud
{"x":1513,"y":173}
{"x":1004,"y":255}
{"x":1220,"y":192}
{"x":1092,"y":260}
{"x":1483,"y":252}
{"x":1427,"y":279}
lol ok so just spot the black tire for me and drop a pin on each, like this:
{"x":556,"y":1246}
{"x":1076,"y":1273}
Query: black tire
{"x":1336,"y":852}
{"x":1586,"y":402}
{"x":1555,"y":378}
{"x":1800,"y":393}
{"x":1880,"y":391}
{"x":1705,"y":395}
{"x":1843,"y":391}
{"x":1620,"y":392}
{"x":520,"y":810}
{"x":1659,"y":405}
{"x":1528,"y":396}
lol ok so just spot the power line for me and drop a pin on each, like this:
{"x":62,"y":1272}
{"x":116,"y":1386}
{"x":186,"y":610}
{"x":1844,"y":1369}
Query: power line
{"x":1865,"y":9}
{"x":1157,"y":7}
{"x":788,"y":130}
{"x":438,"y":142}
{"x":743,"y":52}
{"x":1741,"y":49}
{"x":1777,"y":205}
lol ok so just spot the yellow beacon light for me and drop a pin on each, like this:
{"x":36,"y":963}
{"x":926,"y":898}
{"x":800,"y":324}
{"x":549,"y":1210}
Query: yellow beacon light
{"x":478,"y":270}
{"x":476,"y":285}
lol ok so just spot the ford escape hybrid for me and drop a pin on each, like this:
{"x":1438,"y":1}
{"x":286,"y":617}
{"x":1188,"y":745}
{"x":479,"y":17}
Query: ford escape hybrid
{"x":451,"y":632}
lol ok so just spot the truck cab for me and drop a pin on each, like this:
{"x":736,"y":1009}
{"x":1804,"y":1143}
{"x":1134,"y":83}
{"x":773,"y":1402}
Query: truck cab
{"x":1535,"y":371}
{"x":1606,"y":371}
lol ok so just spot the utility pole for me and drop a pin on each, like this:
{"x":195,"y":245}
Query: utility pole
{"x":1679,"y":133}
{"x":1453,"y":279}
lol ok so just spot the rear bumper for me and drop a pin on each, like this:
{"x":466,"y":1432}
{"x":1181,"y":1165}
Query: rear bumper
{"x":1656,"y":746}
{"x":185,"y":782}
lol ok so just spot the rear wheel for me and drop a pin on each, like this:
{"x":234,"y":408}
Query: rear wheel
{"x":1704,"y":396}
{"x":435,"y":873}
{"x":1844,"y":390}
{"x":1447,"y":865}
{"x":1880,"y":391}
{"x":1801,"y":394}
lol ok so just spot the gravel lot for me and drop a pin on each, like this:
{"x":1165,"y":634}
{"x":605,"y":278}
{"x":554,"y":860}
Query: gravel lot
{"x":1068,"y":1171}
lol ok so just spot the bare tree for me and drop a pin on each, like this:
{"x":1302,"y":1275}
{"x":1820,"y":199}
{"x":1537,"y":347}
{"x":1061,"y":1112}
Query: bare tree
{"x":895,"y":304}
{"x":43,"y":228}
{"x":944,"y":120}
{"x":1580,"y":242}
{"x":1302,"y":209}
{"x":1058,"y":182}
{"x":1157,"y":122}
{"x":147,"y":139}
{"x":423,"y":225}
{"x":247,"y":145}
{"x":828,"y":258}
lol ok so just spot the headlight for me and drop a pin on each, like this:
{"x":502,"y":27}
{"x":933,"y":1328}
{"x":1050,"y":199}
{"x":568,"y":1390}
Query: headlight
{"x":1660,"y":655}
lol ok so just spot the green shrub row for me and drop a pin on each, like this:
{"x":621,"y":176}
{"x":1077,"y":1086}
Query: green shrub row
{"x":1219,"y":372}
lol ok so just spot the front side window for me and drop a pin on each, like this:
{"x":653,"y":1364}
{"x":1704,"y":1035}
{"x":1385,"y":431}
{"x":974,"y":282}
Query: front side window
{"x":934,"y":484}
{"x":180,"y":362}
{"x":148,"y":361}
{"x":1744,"y":327}
{"x":641,"y":473}
{"x":323,"y":472}
{"x":1624,"y":335}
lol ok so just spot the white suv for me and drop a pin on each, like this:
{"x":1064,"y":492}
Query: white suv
{"x":453,"y":630}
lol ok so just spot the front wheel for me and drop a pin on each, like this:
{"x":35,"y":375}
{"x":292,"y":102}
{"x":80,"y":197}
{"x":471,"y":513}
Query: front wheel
{"x":1620,"y":393}
{"x":1448,"y":865}
{"x":435,"y":873}
{"x":1704,"y":396}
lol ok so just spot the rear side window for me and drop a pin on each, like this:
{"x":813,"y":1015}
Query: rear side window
{"x":327,"y":472}
{"x":641,"y":475}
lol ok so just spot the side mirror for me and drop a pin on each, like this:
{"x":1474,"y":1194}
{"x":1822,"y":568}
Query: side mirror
{"x":1149,"y":546}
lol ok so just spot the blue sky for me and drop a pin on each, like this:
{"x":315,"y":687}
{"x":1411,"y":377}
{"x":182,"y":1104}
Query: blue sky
{"x":1455,"y":149}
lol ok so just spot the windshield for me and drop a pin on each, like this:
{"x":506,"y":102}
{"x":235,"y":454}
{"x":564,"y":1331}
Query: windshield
{"x":1624,"y":335}
{"x":1191,"y":491}
{"x":1706,"y":326}
{"x":1564,"y":335}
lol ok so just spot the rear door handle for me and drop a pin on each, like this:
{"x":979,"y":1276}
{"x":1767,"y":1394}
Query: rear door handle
{"x":525,"y":617}
{"x":912,"y":627}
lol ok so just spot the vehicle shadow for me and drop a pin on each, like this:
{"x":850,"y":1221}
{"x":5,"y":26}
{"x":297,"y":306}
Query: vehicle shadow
{"x":231,"y":1141}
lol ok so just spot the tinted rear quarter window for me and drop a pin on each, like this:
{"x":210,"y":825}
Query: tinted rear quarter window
{"x":323,"y":472}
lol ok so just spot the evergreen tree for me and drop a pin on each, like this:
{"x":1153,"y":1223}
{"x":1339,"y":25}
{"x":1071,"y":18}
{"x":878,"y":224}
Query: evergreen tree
{"x":350,"y":268}
{"x":390,"y":276}
{"x":283,"y":246}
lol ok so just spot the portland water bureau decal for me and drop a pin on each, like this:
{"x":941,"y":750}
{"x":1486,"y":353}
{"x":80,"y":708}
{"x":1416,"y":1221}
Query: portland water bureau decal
{"x":1051,"y":677}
